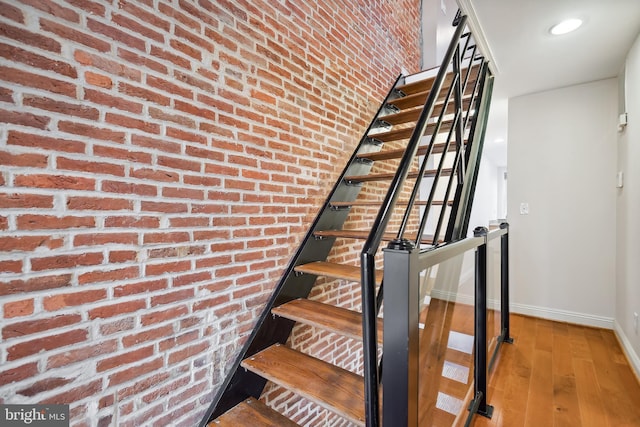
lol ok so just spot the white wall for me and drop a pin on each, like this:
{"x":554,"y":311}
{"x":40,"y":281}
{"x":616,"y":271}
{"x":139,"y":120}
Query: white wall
{"x":628,"y":206}
{"x":562,"y":162}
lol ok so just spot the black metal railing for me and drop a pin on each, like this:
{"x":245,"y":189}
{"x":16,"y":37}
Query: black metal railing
{"x":460,"y":63}
{"x":403,"y":267}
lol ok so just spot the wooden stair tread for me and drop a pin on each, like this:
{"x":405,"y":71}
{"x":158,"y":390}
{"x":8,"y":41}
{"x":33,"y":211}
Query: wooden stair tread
{"x":333,"y":388}
{"x":328,"y":317}
{"x":419,"y":98}
{"x":411,"y":115}
{"x":252,"y":413}
{"x":399,"y":152}
{"x":425,"y":84}
{"x":364,"y":234}
{"x":335,"y":270}
{"x":389,"y":176}
{"x":404,"y":133}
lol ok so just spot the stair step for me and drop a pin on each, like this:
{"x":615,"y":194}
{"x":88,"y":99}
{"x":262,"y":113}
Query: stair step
{"x":424,"y":84}
{"x":411,"y":115}
{"x":417,"y":99}
{"x":252,"y":413}
{"x":406,"y":132}
{"x":364,"y":234}
{"x":333,"y":388}
{"x":337,"y":271}
{"x":389,"y":176}
{"x":328,"y":317}
{"x":398,"y":153}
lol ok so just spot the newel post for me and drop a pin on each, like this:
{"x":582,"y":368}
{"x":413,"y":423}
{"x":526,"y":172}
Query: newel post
{"x":401,"y":334}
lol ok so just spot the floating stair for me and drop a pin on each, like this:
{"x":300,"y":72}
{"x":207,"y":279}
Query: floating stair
{"x":331,"y":387}
{"x":328,"y":317}
{"x":252,"y":413}
{"x":265,"y":357}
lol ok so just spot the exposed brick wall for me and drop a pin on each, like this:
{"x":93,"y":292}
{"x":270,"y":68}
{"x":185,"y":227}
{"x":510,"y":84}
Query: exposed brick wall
{"x":159,"y":162}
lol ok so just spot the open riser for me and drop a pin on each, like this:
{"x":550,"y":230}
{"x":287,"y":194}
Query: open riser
{"x":307,"y":310}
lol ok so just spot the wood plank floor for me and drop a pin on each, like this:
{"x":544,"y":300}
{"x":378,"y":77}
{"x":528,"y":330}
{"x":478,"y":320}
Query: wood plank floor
{"x":556,"y":374}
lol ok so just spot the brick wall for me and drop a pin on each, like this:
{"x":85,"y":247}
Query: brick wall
{"x":159,"y":161}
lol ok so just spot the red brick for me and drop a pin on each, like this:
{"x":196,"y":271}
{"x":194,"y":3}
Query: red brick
{"x":143,"y":384}
{"x":24,"y":119}
{"x":98,"y":204}
{"x":164,"y":207}
{"x":88,"y":6}
{"x":109,"y":275}
{"x":186,"y":136}
{"x":18,"y":308}
{"x":153,"y":317}
{"x":191,"y":351}
{"x":155,"y":175}
{"x":128,"y":122}
{"x":116,"y":34}
{"x":12,"y":201}
{"x":137,"y":221}
{"x":48,"y":222}
{"x":167,"y":267}
{"x":183,"y":193}
{"x":140,"y":92}
{"x":54,"y":9}
{"x":129,"y":188}
{"x":32,"y":80}
{"x":98,"y":80}
{"x":122,"y":154}
{"x":188,"y":279}
{"x":186,"y":49}
{"x":28,"y":38}
{"x":49,"y":342}
{"x":75,"y":35}
{"x":124,"y":359}
{"x":169,"y":87}
{"x":189,"y":393}
{"x":9,"y":11}
{"x":140,"y":287}
{"x":143,"y":61}
{"x":55,"y":181}
{"x":117,"y":309}
{"x":107,"y":64}
{"x":190,"y":222}
{"x":44,"y":385}
{"x":60,"y":107}
{"x":175,"y":296}
{"x":135,"y":372}
{"x":134,"y":26}
{"x":91,"y":131}
{"x":99,"y":239}
{"x":44,"y":142}
{"x":117,"y":326}
{"x":156,"y":144}
{"x":82,"y":354}
{"x":18,"y":374}
{"x":166,"y":237}
{"x":122,"y":256}
{"x":76,"y":394}
{"x":66,"y":261}
{"x":105,"y":99}
{"x":148,"y":335}
{"x":75,"y":299}
{"x":35,"y":284}
{"x":34,"y":326}
{"x":170,"y":57}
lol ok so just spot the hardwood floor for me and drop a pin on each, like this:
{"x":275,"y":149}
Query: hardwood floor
{"x":556,"y":374}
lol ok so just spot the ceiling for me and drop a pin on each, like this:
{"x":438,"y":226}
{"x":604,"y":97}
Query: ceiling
{"x":528,"y":59}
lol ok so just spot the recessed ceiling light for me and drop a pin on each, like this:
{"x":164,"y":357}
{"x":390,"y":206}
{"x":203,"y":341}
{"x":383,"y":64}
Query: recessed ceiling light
{"x":566,"y":26}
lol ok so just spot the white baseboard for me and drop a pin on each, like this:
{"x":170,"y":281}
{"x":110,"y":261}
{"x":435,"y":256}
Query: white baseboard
{"x":562,"y":315}
{"x":632,"y":356}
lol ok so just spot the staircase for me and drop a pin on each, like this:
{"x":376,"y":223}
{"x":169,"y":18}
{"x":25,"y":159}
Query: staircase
{"x":409,"y":181}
